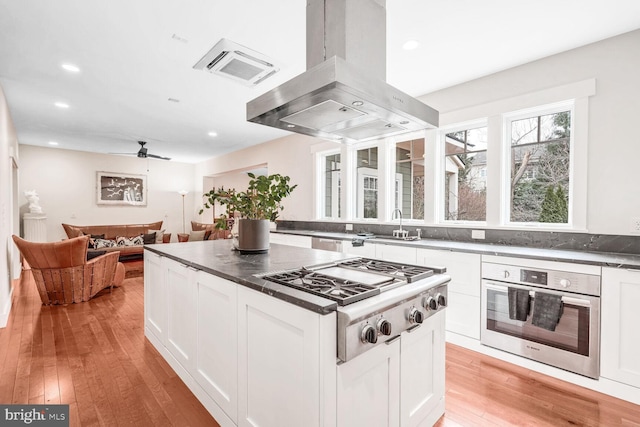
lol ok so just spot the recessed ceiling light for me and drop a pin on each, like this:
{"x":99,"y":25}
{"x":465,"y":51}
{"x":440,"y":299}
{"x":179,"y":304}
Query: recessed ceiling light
{"x":291,"y":126}
{"x":357,"y":103}
{"x":71,"y":68}
{"x":213,"y":134}
{"x":53,"y":143}
{"x":61,"y":105}
{"x":411,"y":44}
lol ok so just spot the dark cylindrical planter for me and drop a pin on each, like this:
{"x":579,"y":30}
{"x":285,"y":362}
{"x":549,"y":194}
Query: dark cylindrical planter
{"x":253,"y":235}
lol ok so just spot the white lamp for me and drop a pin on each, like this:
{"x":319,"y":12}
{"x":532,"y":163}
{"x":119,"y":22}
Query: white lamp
{"x":183,"y":193}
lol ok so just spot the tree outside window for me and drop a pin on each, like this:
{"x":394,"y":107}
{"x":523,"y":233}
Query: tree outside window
{"x":540,"y":168}
{"x":465,"y":175}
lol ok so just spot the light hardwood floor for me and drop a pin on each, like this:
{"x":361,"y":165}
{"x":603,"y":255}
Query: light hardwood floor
{"x":94,"y":357}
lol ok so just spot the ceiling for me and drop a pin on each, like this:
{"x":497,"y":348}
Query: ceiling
{"x":136,"y":55}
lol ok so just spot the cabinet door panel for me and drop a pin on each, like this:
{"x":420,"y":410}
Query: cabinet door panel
{"x":369,"y":388}
{"x":395,"y":253}
{"x":463,"y":315}
{"x":181,"y":316}
{"x":217,"y":341}
{"x":464,"y":269}
{"x":279,"y":356}
{"x":620,"y":347}
{"x":422,"y":373}
{"x":155,"y":296}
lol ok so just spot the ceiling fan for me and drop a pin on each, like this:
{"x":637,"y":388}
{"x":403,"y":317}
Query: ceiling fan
{"x":143,"y":153}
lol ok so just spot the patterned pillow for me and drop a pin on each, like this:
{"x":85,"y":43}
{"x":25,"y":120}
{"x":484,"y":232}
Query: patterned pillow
{"x":103,"y":243}
{"x":92,"y":239}
{"x":129,"y":241}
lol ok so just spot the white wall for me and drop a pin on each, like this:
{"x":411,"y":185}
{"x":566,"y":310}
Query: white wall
{"x":290,"y":156}
{"x":8,"y":251}
{"x":65,"y":180}
{"x":613,"y":147}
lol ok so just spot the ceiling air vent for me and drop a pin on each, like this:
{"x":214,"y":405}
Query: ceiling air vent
{"x":237,"y":62}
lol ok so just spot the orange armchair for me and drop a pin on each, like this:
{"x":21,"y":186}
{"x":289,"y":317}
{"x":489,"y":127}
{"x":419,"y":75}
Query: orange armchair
{"x":62,"y":273}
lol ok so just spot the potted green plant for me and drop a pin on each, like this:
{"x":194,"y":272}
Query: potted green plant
{"x":222,"y":196}
{"x":260,"y":204}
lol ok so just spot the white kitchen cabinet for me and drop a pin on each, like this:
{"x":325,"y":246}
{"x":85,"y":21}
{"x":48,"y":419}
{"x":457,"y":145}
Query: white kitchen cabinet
{"x":620,"y":347}
{"x":181,"y":313}
{"x":422,"y":354}
{"x":369,"y":388}
{"x":216,"y":365}
{"x":290,"y":239}
{"x":367,"y":250}
{"x":286,"y":360}
{"x":463,"y":308}
{"x":398,"y":384}
{"x":404,"y":254}
{"x":155,"y":297}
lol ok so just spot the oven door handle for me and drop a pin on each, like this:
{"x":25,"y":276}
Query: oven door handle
{"x":565,"y":299}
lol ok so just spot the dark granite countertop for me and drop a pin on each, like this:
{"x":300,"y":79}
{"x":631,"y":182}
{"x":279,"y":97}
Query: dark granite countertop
{"x":604,"y":259}
{"x":217,"y":257}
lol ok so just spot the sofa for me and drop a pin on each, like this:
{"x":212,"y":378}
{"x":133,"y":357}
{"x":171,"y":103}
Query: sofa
{"x":128,"y":239}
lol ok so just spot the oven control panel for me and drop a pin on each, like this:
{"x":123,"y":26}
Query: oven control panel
{"x":569,"y":281}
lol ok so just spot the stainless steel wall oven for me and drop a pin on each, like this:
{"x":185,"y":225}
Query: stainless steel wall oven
{"x":533,"y":309}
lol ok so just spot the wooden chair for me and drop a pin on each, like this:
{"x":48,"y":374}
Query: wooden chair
{"x":62,"y":273}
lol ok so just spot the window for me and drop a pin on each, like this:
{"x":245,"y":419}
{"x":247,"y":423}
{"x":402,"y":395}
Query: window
{"x":409,"y":186}
{"x":539,"y":182}
{"x":465,"y":173}
{"x":331,"y":186}
{"x":367,"y":187}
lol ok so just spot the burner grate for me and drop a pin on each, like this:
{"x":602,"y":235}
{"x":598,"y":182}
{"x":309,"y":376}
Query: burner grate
{"x":342,"y":291}
{"x":410,"y":273}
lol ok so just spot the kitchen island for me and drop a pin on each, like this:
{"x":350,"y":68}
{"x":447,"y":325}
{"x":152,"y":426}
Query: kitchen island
{"x":257,"y":353}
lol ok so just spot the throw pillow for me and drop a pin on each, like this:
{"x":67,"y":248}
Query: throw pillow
{"x":92,"y":237}
{"x":149,"y":238}
{"x":104,"y":243}
{"x":129,"y":241}
{"x":195,"y":236}
{"x":159,"y":234}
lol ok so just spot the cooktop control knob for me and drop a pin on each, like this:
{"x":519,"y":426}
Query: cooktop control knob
{"x":565,"y":283}
{"x":369,"y":334}
{"x":442,"y":300}
{"x":415,"y":316}
{"x":384,"y":326}
{"x":431,"y":303}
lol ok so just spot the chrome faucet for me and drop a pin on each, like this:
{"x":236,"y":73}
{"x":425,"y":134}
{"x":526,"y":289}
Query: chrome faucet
{"x":400,"y":232}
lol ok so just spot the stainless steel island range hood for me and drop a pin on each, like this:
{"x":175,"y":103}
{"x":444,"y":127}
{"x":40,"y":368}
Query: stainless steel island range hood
{"x":343,"y":95}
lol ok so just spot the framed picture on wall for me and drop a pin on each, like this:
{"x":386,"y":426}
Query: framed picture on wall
{"x":121,"y":189}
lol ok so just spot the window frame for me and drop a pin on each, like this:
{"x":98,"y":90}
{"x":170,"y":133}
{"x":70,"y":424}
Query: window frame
{"x":321,"y":188}
{"x":507,"y":119}
{"x":441,"y":155}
